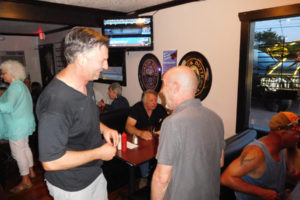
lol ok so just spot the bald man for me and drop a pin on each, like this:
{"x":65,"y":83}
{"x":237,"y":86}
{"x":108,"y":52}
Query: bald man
{"x":191,"y":143}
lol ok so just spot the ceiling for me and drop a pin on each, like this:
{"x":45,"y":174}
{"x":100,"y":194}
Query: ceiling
{"x":9,"y":27}
{"x":113,"y":5}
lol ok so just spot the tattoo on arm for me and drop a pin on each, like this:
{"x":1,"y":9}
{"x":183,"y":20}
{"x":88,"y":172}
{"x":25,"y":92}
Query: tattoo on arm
{"x":244,"y":159}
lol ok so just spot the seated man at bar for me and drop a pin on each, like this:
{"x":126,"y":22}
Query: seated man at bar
{"x":260,"y":171}
{"x":143,"y":117}
{"x":115,"y":94}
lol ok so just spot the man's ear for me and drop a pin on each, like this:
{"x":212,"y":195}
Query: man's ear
{"x":81,"y":59}
{"x":281,"y":132}
{"x":176,"y":87}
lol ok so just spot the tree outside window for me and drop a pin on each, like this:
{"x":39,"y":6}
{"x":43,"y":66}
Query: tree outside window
{"x":275,"y":73}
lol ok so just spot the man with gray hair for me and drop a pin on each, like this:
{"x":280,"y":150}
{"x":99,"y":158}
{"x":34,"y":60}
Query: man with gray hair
{"x":143,"y":117}
{"x":115,"y":93}
{"x":71,"y":147}
{"x":145,"y":114}
{"x":190,"y":145}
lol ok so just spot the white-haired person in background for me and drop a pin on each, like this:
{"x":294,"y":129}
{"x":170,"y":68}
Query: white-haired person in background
{"x":17,"y":122}
{"x":115,"y":94}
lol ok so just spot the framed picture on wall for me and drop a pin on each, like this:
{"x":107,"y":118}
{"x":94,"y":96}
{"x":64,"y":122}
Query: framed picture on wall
{"x":150,"y":73}
{"x":199,"y":64}
{"x":12,"y":55}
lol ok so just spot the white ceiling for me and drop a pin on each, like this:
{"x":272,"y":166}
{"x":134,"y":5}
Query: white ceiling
{"x":113,"y":5}
{"x":27,"y":28}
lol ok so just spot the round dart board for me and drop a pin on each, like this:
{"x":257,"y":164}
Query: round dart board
{"x":198,"y":63}
{"x":150,"y":73}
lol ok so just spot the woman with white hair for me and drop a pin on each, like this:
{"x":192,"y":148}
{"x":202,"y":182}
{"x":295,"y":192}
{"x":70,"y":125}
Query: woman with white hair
{"x":16,"y":112}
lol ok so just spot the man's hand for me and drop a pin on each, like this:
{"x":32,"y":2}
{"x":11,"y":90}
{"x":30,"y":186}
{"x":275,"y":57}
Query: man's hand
{"x":146,"y":135}
{"x":269,"y":195}
{"x":110,"y":135}
{"x":130,"y":128}
{"x":107,"y":151}
{"x":101,"y":103}
{"x":293,"y":175}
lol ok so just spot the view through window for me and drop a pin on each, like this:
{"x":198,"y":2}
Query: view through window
{"x":276,"y":66}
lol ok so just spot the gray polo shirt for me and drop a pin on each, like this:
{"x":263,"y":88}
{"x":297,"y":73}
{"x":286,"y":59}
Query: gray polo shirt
{"x":191,"y":141}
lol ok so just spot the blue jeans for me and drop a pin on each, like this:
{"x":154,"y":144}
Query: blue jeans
{"x":144,"y":169}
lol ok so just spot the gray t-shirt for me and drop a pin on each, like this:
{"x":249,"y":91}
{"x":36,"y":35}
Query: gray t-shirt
{"x":191,"y":141}
{"x":68,"y":120}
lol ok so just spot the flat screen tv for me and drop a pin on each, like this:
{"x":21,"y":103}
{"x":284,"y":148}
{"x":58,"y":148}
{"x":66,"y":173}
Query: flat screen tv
{"x":116,"y":71}
{"x":129,"y":33}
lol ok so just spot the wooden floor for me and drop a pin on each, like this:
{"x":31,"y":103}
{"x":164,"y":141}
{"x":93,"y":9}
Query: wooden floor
{"x":39,"y":189}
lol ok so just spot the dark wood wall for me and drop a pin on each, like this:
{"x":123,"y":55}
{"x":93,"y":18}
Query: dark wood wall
{"x":44,"y":12}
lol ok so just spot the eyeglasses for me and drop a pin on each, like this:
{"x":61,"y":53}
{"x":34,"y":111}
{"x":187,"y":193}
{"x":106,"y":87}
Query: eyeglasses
{"x":292,"y":126}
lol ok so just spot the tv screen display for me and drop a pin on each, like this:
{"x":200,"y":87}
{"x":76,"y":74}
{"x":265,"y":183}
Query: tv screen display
{"x":130,"y":33}
{"x":113,"y":73}
{"x":116,"y":71}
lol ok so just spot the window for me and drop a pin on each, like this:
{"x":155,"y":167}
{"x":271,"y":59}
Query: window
{"x":269,"y":65}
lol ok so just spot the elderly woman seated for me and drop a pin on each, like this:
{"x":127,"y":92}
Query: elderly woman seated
{"x":115,"y":94}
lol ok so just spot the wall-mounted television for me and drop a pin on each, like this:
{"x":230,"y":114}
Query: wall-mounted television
{"x":129,"y":33}
{"x":116,"y":71}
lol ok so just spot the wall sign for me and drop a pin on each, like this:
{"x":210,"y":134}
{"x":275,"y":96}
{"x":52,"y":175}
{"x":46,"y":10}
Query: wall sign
{"x":198,"y":63}
{"x":169,"y":60}
{"x":150,"y":73}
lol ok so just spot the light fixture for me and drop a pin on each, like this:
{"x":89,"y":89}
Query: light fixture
{"x":41,"y":34}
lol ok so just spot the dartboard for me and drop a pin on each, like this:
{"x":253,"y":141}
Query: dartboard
{"x":150,"y":73}
{"x":198,"y":63}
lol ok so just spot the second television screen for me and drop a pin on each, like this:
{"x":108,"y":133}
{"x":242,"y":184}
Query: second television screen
{"x":130,"y":33}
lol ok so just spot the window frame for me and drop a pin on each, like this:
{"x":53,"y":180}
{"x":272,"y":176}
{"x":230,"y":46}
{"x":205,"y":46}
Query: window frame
{"x":245,"y":69}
